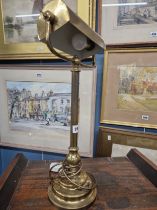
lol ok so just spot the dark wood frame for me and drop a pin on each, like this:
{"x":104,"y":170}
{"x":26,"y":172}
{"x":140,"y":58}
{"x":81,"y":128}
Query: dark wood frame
{"x":148,"y":168}
{"x":10,"y":179}
{"x":123,"y":137}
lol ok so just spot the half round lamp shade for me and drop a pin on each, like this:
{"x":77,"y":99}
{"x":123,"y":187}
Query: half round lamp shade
{"x":68,"y":33}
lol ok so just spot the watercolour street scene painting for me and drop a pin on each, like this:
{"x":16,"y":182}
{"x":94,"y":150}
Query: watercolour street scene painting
{"x":137,"y":12}
{"x":39,"y":105}
{"x":20,"y":19}
{"x":137,"y":88}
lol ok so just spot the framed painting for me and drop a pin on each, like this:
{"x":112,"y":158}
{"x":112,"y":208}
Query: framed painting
{"x":130,"y":88}
{"x":35,"y":108}
{"x":18,"y":27}
{"x":125,"y":22}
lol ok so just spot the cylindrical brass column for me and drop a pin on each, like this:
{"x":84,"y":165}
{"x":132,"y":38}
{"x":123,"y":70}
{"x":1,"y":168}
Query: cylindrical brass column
{"x":74,"y":104}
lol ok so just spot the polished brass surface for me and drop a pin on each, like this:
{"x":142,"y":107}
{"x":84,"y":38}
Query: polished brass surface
{"x":67,"y":25}
{"x":59,"y":28}
{"x":59,"y":10}
{"x":73,"y":188}
{"x":74,"y":104}
{"x":74,"y":199}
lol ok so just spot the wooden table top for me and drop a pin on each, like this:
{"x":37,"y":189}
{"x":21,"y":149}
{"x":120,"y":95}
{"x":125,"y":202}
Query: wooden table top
{"x":120,"y":185}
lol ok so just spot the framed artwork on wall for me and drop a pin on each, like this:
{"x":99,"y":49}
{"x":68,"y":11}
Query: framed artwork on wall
{"x":130,"y":88}
{"x":35,"y":108}
{"x":18,"y":27}
{"x":125,"y":22}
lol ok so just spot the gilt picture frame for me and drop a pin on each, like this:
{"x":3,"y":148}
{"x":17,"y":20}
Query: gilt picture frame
{"x":128,"y":22}
{"x":130,"y":88}
{"x":19,"y":39}
{"x":35,"y":108}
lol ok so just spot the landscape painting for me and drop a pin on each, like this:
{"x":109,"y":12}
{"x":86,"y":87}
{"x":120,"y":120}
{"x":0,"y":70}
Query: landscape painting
{"x":137,"y":12}
{"x":137,"y":89}
{"x":39,"y":105}
{"x":20,"y":19}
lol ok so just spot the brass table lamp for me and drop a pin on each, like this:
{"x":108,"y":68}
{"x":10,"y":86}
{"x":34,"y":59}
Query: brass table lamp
{"x":61,"y":29}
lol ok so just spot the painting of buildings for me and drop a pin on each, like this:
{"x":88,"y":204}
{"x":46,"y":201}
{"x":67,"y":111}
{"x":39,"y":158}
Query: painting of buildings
{"x":39,"y":105}
{"x":137,"y":90}
{"x":134,"y":13}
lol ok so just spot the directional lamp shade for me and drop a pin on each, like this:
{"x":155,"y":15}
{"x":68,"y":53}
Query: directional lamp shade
{"x":67,"y":32}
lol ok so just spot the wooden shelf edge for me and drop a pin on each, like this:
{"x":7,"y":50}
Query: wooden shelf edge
{"x":147,"y":167}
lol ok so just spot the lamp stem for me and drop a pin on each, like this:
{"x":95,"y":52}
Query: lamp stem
{"x":74,"y":105}
{"x":73,"y":188}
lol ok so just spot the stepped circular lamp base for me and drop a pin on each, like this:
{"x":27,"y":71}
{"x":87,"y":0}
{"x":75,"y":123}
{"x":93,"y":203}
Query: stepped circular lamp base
{"x":70,"y":199}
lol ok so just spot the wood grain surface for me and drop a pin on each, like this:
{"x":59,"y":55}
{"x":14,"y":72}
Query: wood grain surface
{"x":120,"y":186}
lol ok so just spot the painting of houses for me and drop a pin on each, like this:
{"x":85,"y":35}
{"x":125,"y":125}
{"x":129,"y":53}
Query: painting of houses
{"x":137,"y":90}
{"x":132,"y":14}
{"x":39,"y":105}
